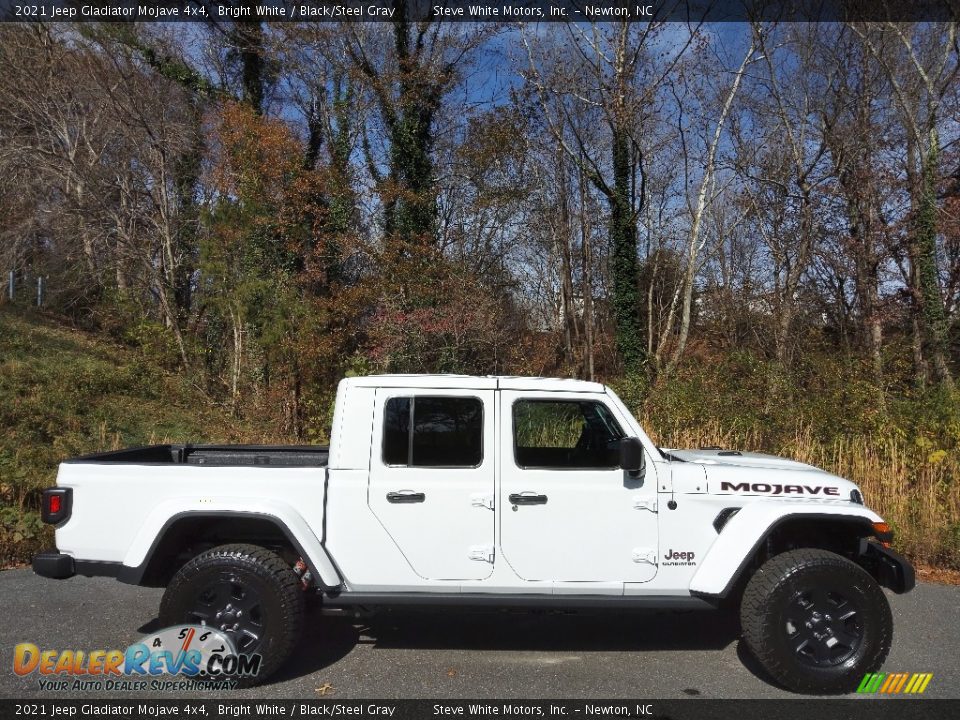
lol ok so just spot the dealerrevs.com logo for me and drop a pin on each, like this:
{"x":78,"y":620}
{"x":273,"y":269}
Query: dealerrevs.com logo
{"x":198,"y":657}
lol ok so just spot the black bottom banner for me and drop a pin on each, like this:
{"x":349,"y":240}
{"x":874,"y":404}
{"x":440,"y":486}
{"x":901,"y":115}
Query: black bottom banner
{"x":808,"y":709}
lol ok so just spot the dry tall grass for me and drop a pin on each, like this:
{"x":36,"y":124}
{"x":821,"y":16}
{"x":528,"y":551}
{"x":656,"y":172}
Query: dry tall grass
{"x":915,"y":490}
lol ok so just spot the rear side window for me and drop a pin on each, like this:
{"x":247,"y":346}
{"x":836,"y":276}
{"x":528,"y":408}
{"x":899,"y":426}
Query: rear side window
{"x":565,"y":434}
{"x":396,"y":432}
{"x":425,"y":431}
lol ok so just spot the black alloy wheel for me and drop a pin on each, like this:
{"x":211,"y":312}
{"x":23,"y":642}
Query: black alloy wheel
{"x":816,"y":621}
{"x":246,"y":591}
{"x":823,"y":627}
{"x":233,"y":606}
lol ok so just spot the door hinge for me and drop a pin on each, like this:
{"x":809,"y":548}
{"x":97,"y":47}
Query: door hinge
{"x":483,"y":553}
{"x":645,"y":555}
{"x":482,"y":500}
{"x":645,"y":503}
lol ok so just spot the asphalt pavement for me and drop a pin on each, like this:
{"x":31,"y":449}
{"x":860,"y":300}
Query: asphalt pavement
{"x":497,"y":655}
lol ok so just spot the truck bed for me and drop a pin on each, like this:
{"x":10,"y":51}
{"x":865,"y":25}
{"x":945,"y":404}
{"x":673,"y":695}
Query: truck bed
{"x":214,"y":455}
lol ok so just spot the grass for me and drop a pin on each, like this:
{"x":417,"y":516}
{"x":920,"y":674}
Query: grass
{"x":910,"y":486}
{"x":63,"y":393}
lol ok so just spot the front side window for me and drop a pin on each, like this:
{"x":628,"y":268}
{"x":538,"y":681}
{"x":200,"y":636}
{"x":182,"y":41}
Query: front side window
{"x":425,"y":431}
{"x":565,"y":434}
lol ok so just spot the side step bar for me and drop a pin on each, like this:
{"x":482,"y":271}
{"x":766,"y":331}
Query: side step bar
{"x":509,"y":600}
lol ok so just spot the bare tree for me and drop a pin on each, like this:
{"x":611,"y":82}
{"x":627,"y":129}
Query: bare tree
{"x":921,"y":62}
{"x":855,"y":124}
{"x":697,"y":207}
{"x":787,"y":168}
{"x":611,"y":80}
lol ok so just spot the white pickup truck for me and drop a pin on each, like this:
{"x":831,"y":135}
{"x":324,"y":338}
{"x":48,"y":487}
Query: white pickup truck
{"x":501,"y":491}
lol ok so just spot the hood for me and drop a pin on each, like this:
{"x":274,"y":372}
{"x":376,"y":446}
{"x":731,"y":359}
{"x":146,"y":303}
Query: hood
{"x":731,"y":472}
{"x":716,"y":456}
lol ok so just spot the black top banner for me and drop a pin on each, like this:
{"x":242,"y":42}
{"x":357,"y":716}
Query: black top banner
{"x":686,"y":11}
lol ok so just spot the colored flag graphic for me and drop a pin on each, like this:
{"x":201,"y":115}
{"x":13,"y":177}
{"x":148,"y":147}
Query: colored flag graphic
{"x":894,"y":683}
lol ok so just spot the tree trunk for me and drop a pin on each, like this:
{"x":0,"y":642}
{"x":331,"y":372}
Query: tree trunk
{"x":587,"y":273}
{"x":411,"y":212}
{"x":564,"y":230}
{"x":248,"y":37}
{"x":695,"y":245}
{"x":623,"y":239}
{"x":237,"y":364}
{"x":934,"y":319}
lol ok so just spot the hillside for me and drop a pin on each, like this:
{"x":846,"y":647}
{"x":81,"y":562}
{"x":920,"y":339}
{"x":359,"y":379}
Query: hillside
{"x":64,"y":392}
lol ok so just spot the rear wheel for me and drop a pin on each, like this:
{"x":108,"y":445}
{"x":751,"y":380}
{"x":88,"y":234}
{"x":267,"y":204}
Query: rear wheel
{"x":246,"y":591}
{"x":816,"y":621}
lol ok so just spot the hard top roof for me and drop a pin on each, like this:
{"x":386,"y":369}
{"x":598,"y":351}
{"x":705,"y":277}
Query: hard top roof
{"x":475,"y":382}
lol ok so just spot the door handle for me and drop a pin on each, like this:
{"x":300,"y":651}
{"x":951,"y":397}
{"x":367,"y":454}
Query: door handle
{"x":405,"y":496}
{"x":527,"y":499}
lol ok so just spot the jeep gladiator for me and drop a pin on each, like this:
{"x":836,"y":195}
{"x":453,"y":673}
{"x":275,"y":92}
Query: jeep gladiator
{"x":495,"y":491}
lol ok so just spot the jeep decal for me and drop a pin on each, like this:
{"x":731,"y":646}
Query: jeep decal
{"x":676,"y":557}
{"x":779,"y":489}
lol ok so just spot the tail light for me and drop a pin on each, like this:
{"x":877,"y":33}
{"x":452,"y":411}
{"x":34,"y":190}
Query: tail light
{"x":57,"y":504}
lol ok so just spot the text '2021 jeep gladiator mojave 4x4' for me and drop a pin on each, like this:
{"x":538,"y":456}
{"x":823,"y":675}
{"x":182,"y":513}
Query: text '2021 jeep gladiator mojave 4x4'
{"x":500,"y":491}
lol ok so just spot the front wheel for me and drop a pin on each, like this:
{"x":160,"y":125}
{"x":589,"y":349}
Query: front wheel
{"x":816,"y":621}
{"x":246,"y":591}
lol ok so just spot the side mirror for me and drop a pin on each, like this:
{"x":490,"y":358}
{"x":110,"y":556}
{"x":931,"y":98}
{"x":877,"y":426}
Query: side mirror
{"x":631,"y":455}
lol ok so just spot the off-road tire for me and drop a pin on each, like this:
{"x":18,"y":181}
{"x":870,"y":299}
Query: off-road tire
{"x":241,"y":572}
{"x":781,"y":589}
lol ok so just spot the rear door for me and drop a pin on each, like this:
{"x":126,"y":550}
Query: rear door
{"x":431,"y":482}
{"x":568,"y":512}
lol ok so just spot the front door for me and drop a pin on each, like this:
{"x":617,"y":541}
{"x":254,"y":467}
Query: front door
{"x":567,"y":510}
{"x":432,"y":479}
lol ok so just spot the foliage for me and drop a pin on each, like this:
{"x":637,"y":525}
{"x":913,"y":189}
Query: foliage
{"x":22,"y":534}
{"x":268,"y":266}
{"x":829,"y":397}
{"x":241,"y":216}
{"x":435,"y":315}
{"x":65,"y":393}
{"x":904,"y":450}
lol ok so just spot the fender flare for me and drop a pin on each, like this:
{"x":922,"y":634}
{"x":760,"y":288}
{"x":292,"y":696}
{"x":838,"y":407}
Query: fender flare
{"x":293,"y":527}
{"x":745,"y":532}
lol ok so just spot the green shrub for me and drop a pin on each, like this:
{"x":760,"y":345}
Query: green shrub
{"x":65,"y":393}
